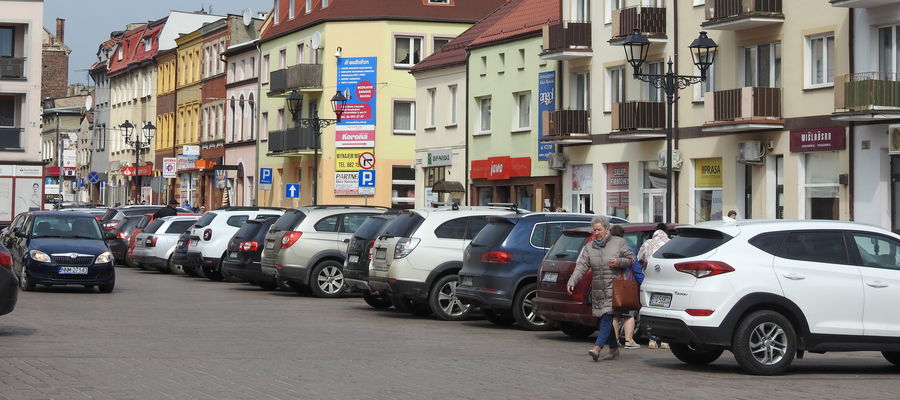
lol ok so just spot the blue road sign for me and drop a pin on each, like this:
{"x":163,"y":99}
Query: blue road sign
{"x":93,"y":177}
{"x":50,"y":180}
{"x":292,"y":190}
{"x":80,"y":182}
{"x":366,"y":178}
{"x":265,"y":176}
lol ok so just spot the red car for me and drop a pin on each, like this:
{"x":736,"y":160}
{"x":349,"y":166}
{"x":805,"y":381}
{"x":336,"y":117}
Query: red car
{"x":572,"y":313}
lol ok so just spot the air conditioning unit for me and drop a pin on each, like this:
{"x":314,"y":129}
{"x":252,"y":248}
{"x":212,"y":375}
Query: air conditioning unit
{"x":676,"y":159}
{"x":557,"y":161}
{"x":894,"y":139}
{"x":751,"y":152}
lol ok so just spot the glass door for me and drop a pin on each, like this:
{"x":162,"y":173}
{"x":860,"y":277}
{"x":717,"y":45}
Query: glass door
{"x":655,"y":207}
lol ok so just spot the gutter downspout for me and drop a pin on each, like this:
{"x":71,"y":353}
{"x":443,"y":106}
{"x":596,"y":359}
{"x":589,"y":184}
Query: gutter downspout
{"x":469,"y":183}
{"x":852,"y":128}
{"x":674,"y":216}
{"x":252,"y":123}
{"x":175,"y":130}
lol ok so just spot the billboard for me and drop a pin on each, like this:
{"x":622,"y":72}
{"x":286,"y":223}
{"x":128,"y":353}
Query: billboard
{"x":356,"y":79}
{"x":546,"y":102}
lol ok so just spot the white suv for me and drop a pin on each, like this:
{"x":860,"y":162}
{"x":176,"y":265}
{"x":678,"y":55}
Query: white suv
{"x":770,"y":290}
{"x":417,"y":257}
{"x":210,"y":236}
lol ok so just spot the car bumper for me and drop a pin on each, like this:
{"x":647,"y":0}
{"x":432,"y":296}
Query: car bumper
{"x":196,"y":260}
{"x":413,"y":290}
{"x":356,"y":279}
{"x":293,"y":274}
{"x":152,"y":262}
{"x":47,"y":273}
{"x":677,"y":331}
{"x":247,"y":272}
{"x":118,"y":249}
{"x":565,"y":311}
{"x":179,"y":258}
{"x":498,"y":301}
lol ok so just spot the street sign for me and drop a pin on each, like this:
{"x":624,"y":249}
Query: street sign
{"x":366,"y":178}
{"x":170,"y":167}
{"x":292,"y":190}
{"x":93,"y":177}
{"x":265,"y":176}
{"x":50,"y":180}
{"x":80,"y":182}
{"x":367,"y":160}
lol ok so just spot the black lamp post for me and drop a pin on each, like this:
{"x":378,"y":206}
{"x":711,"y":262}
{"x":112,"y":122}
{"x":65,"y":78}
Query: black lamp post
{"x":703,"y":52}
{"x":295,"y":105}
{"x":139,"y":143}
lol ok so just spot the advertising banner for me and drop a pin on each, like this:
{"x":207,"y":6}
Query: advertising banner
{"x":346,"y":183}
{"x":28,"y":195}
{"x":70,"y":151}
{"x":186,"y":163}
{"x":145,"y":170}
{"x":708,"y":172}
{"x":347,"y":160}
{"x":824,"y":139}
{"x":617,"y":176}
{"x":170,"y":167}
{"x":356,"y":79}
{"x":546,"y":102}
{"x":355,"y":136}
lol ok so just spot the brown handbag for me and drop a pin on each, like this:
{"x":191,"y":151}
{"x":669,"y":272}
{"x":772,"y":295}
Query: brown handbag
{"x":626,"y":294}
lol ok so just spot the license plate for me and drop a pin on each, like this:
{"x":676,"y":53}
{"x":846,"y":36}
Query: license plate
{"x":660,"y":300}
{"x":270,"y":245}
{"x":381,"y":254}
{"x":353,"y":259}
{"x":233,"y":254}
{"x":73,"y":270}
{"x":194,"y":243}
{"x":551,"y":277}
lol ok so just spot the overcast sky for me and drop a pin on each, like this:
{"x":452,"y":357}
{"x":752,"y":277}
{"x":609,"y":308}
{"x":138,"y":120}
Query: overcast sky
{"x":89,"y":22}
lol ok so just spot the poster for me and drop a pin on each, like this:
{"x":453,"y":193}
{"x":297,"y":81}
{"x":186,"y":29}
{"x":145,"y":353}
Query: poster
{"x":70,"y":150}
{"x":583,"y":178}
{"x":546,"y":102}
{"x":6,"y":199}
{"x":347,"y":160}
{"x":346,"y":183}
{"x":356,"y":79}
{"x":170,"y":167}
{"x":708,"y":172}
{"x":28,"y":195}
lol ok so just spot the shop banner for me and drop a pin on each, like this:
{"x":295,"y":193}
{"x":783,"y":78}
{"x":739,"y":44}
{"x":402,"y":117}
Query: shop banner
{"x":500,"y":168}
{"x":186,"y":162}
{"x":824,"y":139}
{"x":128,"y":170}
{"x":617,"y":176}
{"x":355,"y":136}
{"x":480,"y":169}
{"x":145,"y":170}
{"x":346,"y":183}
{"x":439,"y":158}
{"x":356,"y":79}
{"x":708,"y":172}
{"x":347,"y":160}
{"x":546,"y":102}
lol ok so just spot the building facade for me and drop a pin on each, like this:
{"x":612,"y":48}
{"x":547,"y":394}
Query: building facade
{"x":55,"y":65}
{"x":98,"y":159}
{"x":241,"y":126}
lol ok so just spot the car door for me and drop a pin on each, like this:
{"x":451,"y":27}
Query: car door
{"x":815,"y":273}
{"x":879,"y":259}
{"x":323,"y":237}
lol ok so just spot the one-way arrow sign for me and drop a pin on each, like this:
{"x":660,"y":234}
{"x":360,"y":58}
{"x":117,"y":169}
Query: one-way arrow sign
{"x":292,"y":190}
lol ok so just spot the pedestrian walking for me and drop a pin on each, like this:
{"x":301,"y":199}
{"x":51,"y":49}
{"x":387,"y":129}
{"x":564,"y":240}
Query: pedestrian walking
{"x":660,"y":237}
{"x":187,"y":206}
{"x":606,"y":256}
{"x":628,"y":317}
{"x":167,"y":211}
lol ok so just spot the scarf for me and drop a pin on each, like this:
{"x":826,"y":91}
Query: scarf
{"x":602,"y":241}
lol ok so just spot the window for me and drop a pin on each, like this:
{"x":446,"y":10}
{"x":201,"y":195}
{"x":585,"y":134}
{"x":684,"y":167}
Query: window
{"x":617,"y":190}
{"x":252,"y":67}
{"x":762,"y":65}
{"x":407,"y":51}
{"x":434,"y":174}
{"x":308,"y":6}
{"x":148,"y":43}
{"x":820,"y":60}
{"x":889,"y":50}
{"x":615,"y":87}
{"x":648,"y":91}
{"x":8,"y":42}
{"x":581,"y":90}
{"x":265,"y":69}
{"x":707,"y":189}
{"x":709,"y":85}
{"x":452,"y":229}
{"x":611,"y":5}
{"x":404,"y":117}
{"x":351,"y":222}
{"x":291,"y":9}
{"x":324,"y":3}
{"x":275,"y":12}
{"x":439,"y":42}
{"x":300,"y":49}
{"x":545,"y":234}
{"x":483,"y":71}
{"x":7,"y":111}
{"x":280,"y":120}
{"x":821,"y":185}
{"x":523,"y":111}
{"x":282,"y":58}
{"x":233,"y":72}
{"x":877,"y":251}
{"x":264,"y":125}
{"x":438,"y":1}
{"x":403,"y":187}
{"x":484,"y":114}
{"x":476,"y":224}
{"x":521,"y":59}
{"x":237,"y":220}
{"x":581,"y":11}
{"x":807,"y":246}
{"x":327,"y":224}
{"x":653,"y":191}
{"x":431,"y":108}
{"x":501,"y":67}
{"x":119,"y":55}
{"x":243,"y":69}
{"x":453,"y":105}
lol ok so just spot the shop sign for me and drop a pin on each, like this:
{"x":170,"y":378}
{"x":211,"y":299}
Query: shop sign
{"x":823,"y":139}
{"x":480,"y":169}
{"x":186,"y":162}
{"x":583,"y":178}
{"x":346,"y":183}
{"x":708,"y":172}
{"x":617,"y":176}
{"x":7,"y":170}
{"x":355,"y":136}
{"x":546,"y":102}
{"x":438,"y":158}
{"x":347,"y":160}
{"x":29,"y":170}
{"x":520,"y":166}
{"x":191,"y":151}
{"x":500,"y":168}
{"x":128,"y":170}
{"x":145,"y":170}
{"x":170,"y":167}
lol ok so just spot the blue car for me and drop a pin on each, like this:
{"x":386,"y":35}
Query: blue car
{"x":500,"y":265}
{"x":62,"y":248}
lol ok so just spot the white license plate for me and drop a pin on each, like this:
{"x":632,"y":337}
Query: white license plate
{"x":381,"y":254}
{"x":233,"y":254}
{"x":270,"y":245}
{"x":73,"y":270}
{"x":354,"y":259}
{"x":194,"y":243}
{"x":550,"y":277}
{"x":660,"y":300}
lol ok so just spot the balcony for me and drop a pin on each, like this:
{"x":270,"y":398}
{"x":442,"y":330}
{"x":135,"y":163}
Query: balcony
{"x":744,"y":109}
{"x":639,"y":120}
{"x":567,"y":40}
{"x":11,"y":138}
{"x":567,"y":127}
{"x":860,"y":3}
{"x":650,"y":20}
{"x":867,"y":96}
{"x":736,"y":15}
{"x":296,"y":77}
{"x":292,"y":142}
{"x":12,"y":68}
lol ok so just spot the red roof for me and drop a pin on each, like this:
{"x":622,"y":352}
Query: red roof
{"x":527,"y":19}
{"x":132,"y":45}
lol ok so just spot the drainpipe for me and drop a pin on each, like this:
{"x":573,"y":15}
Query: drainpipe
{"x":674,"y":216}
{"x":175,"y":130}
{"x":469,"y":188}
{"x":852,"y":129}
{"x":258,"y":113}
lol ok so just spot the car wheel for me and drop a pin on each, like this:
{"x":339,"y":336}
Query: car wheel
{"x":190,"y":271}
{"x":575,"y":330}
{"x":107,"y":287}
{"x":300,"y":288}
{"x":377,"y":301}
{"x":268,"y":285}
{"x":166,"y":269}
{"x":498,"y":318}
{"x":892,"y":356}
{"x":764,"y":343}
{"x":26,"y":284}
{"x":213,"y":273}
{"x":525,"y":312}
{"x":328,"y":280}
{"x":443,"y":301}
{"x":695,"y":356}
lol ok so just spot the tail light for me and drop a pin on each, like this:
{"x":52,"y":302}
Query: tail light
{"x":5,"y":260}
{"x":110,"y":225}
{"x":703,"y":269}
{"x":289,"y":238}
{"x":151,"y":241}
{"x":498,"y":257}
{"x":207,"y":234}
{"x":122,"y":235}
{"x":696,"y":312}
{"x":98,"y":218}
{"x":249,"y":246}
{"x":371,"y":251}
{"x":405,"y":246}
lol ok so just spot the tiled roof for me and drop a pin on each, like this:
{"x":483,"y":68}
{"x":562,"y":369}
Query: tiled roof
{"x":528,"y":18}
{"x":133,"y":46}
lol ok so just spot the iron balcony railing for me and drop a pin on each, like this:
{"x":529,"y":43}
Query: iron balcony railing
{"x":867,"y":91}
{"x":292,"y":140}
{"x":746,"y":103}
{"x":11,"y":138}
{"x":650,"y":20}
{"x":568,"y":35}
{"x":636,"y":116}
{"x":717,"y":10}
{"x":300,"y":76}
{"x":564,"y":123}
{"x":12,"y":68}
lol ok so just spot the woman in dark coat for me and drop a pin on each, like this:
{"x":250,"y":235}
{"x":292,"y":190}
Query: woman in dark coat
{"x":608,"y":257}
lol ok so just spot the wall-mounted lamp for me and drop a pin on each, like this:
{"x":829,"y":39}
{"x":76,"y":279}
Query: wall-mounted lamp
{"x":337,"y":54}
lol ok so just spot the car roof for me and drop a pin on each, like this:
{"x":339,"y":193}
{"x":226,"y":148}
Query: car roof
{"x":755,"y":226}
{"x":629,"y":227}
{"x":181,"y":217}
{"x":67,"y":214}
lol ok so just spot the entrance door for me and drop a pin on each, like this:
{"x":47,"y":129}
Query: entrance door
{"x":895,"y":193}
{"x":655,"y":207}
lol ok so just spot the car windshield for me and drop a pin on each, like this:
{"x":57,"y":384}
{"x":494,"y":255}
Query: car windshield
{"x":73,"y":227}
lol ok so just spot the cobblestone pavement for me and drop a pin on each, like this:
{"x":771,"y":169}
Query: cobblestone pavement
{"x":174,"y":337}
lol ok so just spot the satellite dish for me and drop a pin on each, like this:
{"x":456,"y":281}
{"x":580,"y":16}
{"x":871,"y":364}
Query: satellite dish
{"x":247,"y":18}
{"x":316,"y":41}
{"x":88,"y":103}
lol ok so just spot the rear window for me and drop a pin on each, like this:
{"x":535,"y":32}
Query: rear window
{"x":109,"y":214}
{"x":370,"y":227}
{"x":127,"y":224}
{"x":237,"y":220}
{"x":692,"y":243}
{"x":567,"y":247}
{"x":545,"y":234}
{"x":180,"y":226}
{"x":289,"y":220}
{"x":452,"y":229}
{"x":493,"y":234}
{"x":206,"y":219}
{"x":476,"y":224}
{"x":404,"y":225}
{"x":153,"y":226}
{"x":249,"y":230}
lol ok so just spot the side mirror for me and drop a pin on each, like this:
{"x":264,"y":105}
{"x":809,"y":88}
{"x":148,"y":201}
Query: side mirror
{"x":109,"y":236}
{"x":21,"y":234}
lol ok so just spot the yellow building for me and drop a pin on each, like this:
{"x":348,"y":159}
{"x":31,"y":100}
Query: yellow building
{"x":187,"y":114}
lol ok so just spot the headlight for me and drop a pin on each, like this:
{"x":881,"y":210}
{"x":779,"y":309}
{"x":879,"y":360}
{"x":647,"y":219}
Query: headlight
{"x":104,"y":258}
{"x":39,"y":256}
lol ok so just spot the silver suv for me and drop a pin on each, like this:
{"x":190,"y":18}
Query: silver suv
{"x":306,"y":246}
{"x":154,"y":246}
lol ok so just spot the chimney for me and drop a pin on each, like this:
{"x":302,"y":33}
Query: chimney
{"x":60,"y":30}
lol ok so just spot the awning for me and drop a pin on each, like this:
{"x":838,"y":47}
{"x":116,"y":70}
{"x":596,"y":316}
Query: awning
{"x":448,"y":187}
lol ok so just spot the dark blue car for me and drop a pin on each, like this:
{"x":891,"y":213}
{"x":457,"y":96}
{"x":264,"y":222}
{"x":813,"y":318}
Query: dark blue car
{"x":501,"y":263}
{"x":62,"y":248}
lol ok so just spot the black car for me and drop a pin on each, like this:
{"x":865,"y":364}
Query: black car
{"x":179,"y":256}
{"x":9,"y":289}
{"x":242,"y":263}
{"x":356,"y":265}
{"x":62,"y":248}
{"x":122,"y":232}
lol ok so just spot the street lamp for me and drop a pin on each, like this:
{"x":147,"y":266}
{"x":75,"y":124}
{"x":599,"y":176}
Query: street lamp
{"x":295,"y":105}
{"x":139,"y":143}
{"x":703,"y":52}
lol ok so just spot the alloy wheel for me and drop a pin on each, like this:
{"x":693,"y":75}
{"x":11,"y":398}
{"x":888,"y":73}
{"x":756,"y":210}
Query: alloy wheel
{"x":448,"y":301}
{"x":331,"y":280}
{"x":528,"y":310}
{"x":768,"y":343}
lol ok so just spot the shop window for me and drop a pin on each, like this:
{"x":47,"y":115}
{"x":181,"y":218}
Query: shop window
{"x":433,"y":175}
{"x":582,"y":188}
{"x":485,"y":195}
{"x":821,"y":185}
{"x":525,"y":197}
{"x":617,"y":190}
{"x":653,"y":192}
{"x":403,"y":187}
{"x":707,"y":189}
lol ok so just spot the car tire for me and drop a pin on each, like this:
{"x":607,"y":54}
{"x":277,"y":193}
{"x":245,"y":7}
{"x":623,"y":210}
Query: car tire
{"x":377,"y":301}
{"x":498,"y":318}
{"x":694,"y":356}
{"x":576,"y":331}
{"x":523,"y":310}
{"x":267,"y":285}
{"x":107,"y":287}
{"x":327,"y":280}
{"x":213,"y":273}
{"x":166,"y":269}
{"x":190,"y":271}
{"x":892,"y":356}
{"x":298,"y":287}
{"x":443,"y":301}
{"x":24,"y":283}
{"x":758,"y":338}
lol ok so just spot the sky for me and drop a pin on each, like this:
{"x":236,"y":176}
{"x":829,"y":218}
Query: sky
{"x":89,"y":22}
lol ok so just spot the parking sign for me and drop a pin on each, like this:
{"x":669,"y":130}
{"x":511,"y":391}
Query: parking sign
{"x":366,"y":178}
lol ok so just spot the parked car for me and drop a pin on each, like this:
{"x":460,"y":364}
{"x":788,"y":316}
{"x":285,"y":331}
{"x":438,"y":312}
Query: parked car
{"x":61,"y":248}
{"x":211,"y":233}
{"x":245,"y":253}
{"x":359,"y":256}
{"x":9,"y":285}
{"x":572,"y":313}
{"x":97,"y":212}
{"x":770,"y":290}
{"x":314,"y":262}
{"x":142,"y":224}
{"x":155,"y":245}
{"x":179,"y":254}
{"x":122,"y":231}
{"x":419,"y":254}
{"x":113,"y":216}
{"x":500,"y":265}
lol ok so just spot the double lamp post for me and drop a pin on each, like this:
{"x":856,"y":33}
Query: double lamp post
{"x":149,"y":130}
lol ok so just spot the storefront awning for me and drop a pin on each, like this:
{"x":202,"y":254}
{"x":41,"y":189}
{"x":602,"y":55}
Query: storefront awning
{"x":448,"y":187}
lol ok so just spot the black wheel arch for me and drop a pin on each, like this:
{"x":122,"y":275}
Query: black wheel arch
{"x":325,"y":255}
{"x":767,"y":301}
{"x":447,"y":268}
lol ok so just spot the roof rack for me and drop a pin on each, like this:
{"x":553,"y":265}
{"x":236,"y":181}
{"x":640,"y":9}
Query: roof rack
{"x":327,"y":206}
{"x":454,"y":205}
{"x":512,"y":206}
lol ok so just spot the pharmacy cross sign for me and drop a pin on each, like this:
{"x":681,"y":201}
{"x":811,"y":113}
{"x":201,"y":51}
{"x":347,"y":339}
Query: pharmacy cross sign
{"x":366,"y":160}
